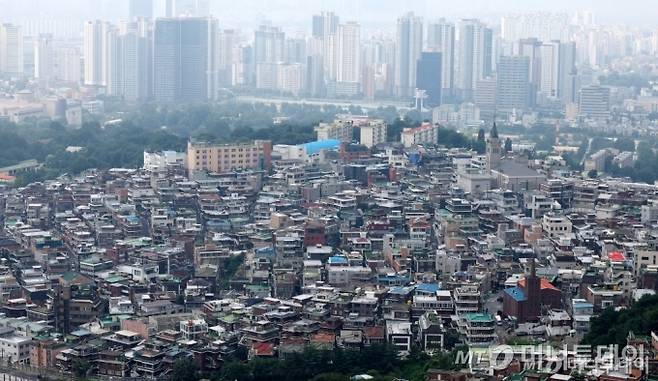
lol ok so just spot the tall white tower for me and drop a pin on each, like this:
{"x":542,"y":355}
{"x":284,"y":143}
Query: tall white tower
{"x":349,"y":53}
{"x":93,"y":53}
{"x":43,"y":57}
{"x":11,"y":49}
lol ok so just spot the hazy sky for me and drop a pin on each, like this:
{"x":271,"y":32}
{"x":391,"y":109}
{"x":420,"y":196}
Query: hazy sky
{"x":375,"y":14}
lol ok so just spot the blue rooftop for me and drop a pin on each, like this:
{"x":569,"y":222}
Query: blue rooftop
{"x":318,"y":145}
{"x":516,"y":293}
{"x":264,"y":252}
{"x":337,"y":259}
{"x":399,"y":290}
{"x":392,"y":279}
{"x":132,"y":218}
{"x":81,"y":333}
{"x":427,"y":288}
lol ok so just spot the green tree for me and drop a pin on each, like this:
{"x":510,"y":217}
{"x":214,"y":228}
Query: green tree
{"x":184,"y":370}
{"x":624,"y":144}
{"x":612,"y":327}
{"x":331,"y":377}
{"x":234,"y":371}
{"x":80,"y":368}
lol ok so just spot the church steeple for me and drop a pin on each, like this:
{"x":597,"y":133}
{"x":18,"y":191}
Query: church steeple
{"x":493,"y":149}
{"x":494,"y":132}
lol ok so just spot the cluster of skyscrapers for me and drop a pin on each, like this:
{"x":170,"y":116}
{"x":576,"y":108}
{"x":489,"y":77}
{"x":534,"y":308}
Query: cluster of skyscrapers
{"x":527,"y":61}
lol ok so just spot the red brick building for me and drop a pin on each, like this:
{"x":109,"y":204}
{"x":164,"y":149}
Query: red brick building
{"x":524,"y":302}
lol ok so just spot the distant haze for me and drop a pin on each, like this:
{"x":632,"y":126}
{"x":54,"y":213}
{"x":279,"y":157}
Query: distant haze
{"x":294,"y":15}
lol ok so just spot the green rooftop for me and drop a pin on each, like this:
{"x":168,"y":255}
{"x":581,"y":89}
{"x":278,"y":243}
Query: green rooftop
{"x":479,"y":317}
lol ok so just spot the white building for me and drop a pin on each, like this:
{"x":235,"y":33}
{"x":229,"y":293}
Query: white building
{"x":288,"y":152}
{"x":93,"y":53}
{"x":472,"y":61}
{"x":594,"y":102}
{"x":43,"y":58}
{"x":649,"y":213}
{"x":68,"y":64}
{"x":409,"y":48}
{"x":193,"y":329}
{"x":160,"y":161}
{"x":480,"y":329}
{"x":596,"y":161}
{"x":11,"y":49}
{"x":340,"y":276}
{"x":339,"y":130}
{"x":548,"y":82}
{"x":399,"y":335}
{"x":13,"y":347}
{"x":130,"y":77}
{"x":644,"y":259}
{"x":425,"y":134}
{"x":556,"y":226}
{"x":467,"y":299}
{"x":289,"y":78}
{"x":372,"y":133}
{"x":348,"y":54}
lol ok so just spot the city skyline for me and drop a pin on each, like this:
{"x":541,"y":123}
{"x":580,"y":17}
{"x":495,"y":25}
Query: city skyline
{"x":189,"y":55}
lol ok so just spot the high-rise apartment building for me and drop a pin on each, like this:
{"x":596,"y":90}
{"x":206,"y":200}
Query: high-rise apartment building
{"x":93,"y":53}
{"x":315,"y":85}
{"x":324,"y":29}
{"x":269,"y":44}
{"x":474,"y":55}
{"x":531,"y":48}
{"x":133,"y":57}
{"x":409,"y":48}
{"x":289,"y":78}
{"x":513,"y":80}
{"x":100,"y":55}
{"x":379,"y":67}
{"x":549,"y":70}
{"x":324,"y":24}
{"x":441,"y":38}
{"x":43,"y":58}
{"x":226,"y":57}
{"x":428,"y":77}
{"x":184,"y":59}
{"x":567,"y":72}
{"x":295,"y":50}
{"x":145,"y":59}
{"x":11,"y":49}
{"x":484,"y":97}
{"x":68,"y":60}
{"x":109,"y":59}
{"x":349,"y":55}
{"x":594,"y":102}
